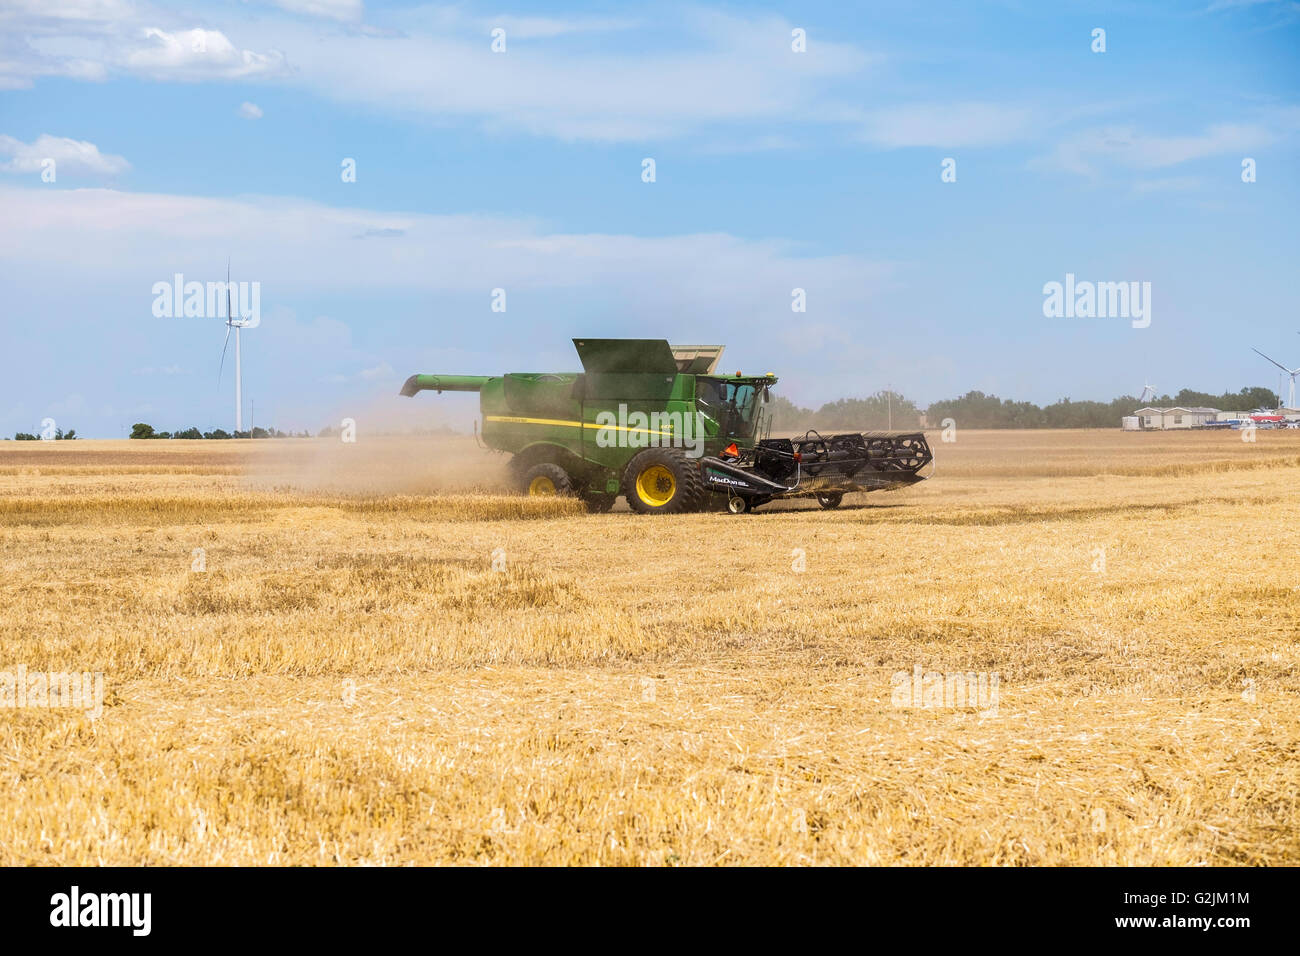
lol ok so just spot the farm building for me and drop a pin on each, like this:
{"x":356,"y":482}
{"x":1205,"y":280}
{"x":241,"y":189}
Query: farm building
{"x":1177,"y":417}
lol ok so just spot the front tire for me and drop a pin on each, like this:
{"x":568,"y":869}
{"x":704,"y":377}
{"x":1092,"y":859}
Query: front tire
{"x":546,"y":481}
{"x":830,"y":499}
{"x":663,"y":481}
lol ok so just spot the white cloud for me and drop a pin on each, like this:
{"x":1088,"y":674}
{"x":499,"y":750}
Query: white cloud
{"x":93,"y":39}
{"x":947,"y":124}
{"x":529,"y":28}
{"x":198,"y":54}
{"x":250,"y":111}
{"x":1089,"y":152}
{"x":59,"y":39}
{"x":69,"y":155}
{"x":67,"y":10}
{"x":732,"y":72}
{"x":1288,"y":9}
{"x":709,"y":72}
{"x":449,"y":262}
{"x":349,"y":10}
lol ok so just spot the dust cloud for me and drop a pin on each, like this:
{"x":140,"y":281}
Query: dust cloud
{"x":379,"y":465}
{"x":401,"y":446}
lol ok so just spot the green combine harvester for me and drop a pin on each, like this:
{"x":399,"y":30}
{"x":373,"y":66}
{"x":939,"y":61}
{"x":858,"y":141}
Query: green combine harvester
{"x":656,"y":424}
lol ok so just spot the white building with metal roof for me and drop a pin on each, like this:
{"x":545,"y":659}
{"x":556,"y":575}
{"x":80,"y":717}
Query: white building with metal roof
{"x":1176,"y":417}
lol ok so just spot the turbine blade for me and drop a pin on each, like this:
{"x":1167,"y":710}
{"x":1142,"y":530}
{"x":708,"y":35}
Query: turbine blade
{"x":223,"y":353}
{"x":1278,"y":364}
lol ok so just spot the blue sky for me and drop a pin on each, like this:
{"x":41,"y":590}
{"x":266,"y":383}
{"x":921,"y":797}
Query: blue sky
{"x":521,"y":170}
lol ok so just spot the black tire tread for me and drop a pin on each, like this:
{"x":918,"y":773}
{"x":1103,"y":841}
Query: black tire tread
{"x":559,"y":477}
{"x":691,"y":490}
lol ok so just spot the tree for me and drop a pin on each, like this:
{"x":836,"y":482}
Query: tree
{"x":977,"y":410}
{"x":786,"y":415}
{"x":217,"y":433}
{"x":189,"y":433}
{"x":25,"y":436}
{"x":141,"y":430}
{"x":868,"y":414}
{"x":1243,"y":401}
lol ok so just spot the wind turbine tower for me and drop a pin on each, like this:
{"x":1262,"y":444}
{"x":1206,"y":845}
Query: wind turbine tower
{"x":237,"y":325}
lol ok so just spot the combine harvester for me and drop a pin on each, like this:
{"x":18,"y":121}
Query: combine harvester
{"x":654,"y":423}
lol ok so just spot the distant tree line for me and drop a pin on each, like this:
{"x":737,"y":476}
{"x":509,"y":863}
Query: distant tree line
{"x":59,"y":435}
{"x":977,"y":410}
{"x":144,"y":430}
{"x":860,"y":414}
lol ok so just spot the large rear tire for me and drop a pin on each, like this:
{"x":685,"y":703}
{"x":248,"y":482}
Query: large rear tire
{"x":663,"y":481}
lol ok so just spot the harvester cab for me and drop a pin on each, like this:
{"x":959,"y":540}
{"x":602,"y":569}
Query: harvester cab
{"x":736,"y":405}
{"x":657,"y":424}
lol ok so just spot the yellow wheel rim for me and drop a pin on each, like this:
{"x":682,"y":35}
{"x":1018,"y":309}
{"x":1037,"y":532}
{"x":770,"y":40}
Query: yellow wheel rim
{"x":656,"y":486}
{"x":541,"y":485}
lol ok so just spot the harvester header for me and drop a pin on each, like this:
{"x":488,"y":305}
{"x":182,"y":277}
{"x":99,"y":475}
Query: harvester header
{"x":657,"y":424}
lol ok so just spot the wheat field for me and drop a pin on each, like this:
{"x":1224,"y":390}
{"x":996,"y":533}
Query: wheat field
{"x":317,"y":653}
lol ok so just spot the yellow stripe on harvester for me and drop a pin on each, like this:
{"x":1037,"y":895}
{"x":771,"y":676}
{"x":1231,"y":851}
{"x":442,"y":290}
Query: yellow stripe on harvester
{"x":570,"y":424}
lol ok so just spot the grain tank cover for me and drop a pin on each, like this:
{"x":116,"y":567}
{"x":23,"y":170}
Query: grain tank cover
{"x":626,"y":355}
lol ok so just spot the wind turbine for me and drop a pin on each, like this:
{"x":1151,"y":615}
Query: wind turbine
{"x":1144,"y":397}
{"x":1291,"y":372}
{"x":236,"y":324}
